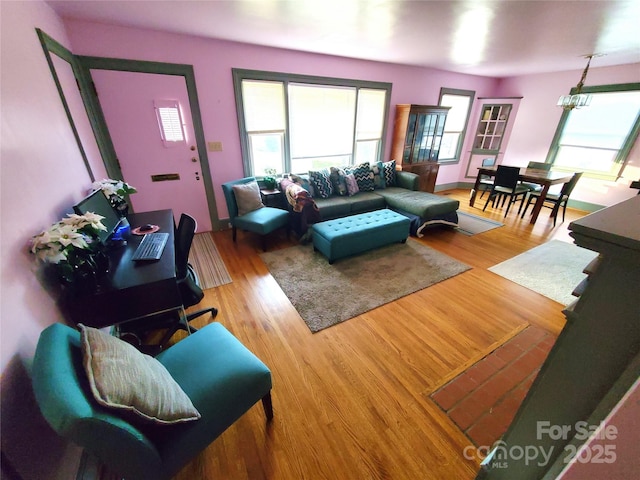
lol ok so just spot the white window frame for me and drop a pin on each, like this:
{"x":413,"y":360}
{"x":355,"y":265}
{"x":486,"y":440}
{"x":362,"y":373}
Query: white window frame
{"x":470,"y":94}
{"x":240,"y":74}
{"x":620,"y":155}
{"x":172,"y":128}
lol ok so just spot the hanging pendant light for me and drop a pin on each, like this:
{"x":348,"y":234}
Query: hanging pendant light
{"x":578,"y":99}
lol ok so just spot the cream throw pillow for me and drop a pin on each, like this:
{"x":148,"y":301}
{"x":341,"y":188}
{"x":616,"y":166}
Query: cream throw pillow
{"x":247,"y":197}
{"x":123,"y":378}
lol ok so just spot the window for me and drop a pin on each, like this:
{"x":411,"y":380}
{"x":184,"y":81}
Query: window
{"x":170,"y":122}
{"x":455,"y":127}
{"x":296,"y":123}
{"x":597,"y":139}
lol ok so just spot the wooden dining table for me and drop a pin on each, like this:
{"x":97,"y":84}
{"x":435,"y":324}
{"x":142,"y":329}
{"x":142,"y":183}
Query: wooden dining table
{"x":529,"y":175}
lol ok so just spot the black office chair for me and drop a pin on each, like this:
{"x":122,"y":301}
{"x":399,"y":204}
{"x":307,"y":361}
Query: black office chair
{"x":505,"y":185}
{"x":555,"y":201}
{"x":188,"y":287}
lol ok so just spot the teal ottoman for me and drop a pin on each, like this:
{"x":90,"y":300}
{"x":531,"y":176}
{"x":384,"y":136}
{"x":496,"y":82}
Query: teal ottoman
{"x":355,"y":234}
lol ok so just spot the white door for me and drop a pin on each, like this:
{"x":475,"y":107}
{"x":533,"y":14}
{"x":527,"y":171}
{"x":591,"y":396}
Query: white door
{"x":166,"y":174}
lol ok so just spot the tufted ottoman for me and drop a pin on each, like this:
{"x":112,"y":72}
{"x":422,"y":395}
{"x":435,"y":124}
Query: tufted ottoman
{"x":358,"y":233}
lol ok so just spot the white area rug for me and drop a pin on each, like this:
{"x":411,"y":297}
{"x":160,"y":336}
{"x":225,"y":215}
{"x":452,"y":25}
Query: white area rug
{"x":553,"y":269}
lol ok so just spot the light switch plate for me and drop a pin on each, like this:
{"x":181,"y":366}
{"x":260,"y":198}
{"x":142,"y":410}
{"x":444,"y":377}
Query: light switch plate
{"x":214,"y":146}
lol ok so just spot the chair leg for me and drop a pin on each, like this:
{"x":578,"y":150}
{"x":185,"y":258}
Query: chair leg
{"x":554,"y":212}
{"x":529,"y":199}
{"x":489,"y":198}
{"x":267,"y":406}
{"x":509,"y":202}
{"x":264,"y":243}
{"x":526,"y":195}
{"x":234,"y":232}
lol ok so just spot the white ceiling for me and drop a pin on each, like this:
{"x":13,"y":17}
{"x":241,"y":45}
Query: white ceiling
{"x":496,"y":38}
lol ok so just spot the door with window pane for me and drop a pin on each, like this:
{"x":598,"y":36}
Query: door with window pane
{"x":164,"y":168}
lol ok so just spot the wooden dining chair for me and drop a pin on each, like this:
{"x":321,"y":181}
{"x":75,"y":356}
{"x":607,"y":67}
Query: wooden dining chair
{"x":534,"y":187}
{"x":555,"y":201}
{"x":505,"y":185}
{"x":486,"y":182}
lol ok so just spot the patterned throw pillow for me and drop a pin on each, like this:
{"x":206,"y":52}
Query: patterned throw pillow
{"x":337,"y":181}
{"x":378,"y":177}
{"x":321,"y":182}
{"x":364,"y":176}
{"x":389,"y":173}
{"x":352,"y":185}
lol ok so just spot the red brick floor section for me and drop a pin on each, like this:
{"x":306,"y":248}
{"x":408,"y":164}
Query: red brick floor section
{"x":483,"y":399}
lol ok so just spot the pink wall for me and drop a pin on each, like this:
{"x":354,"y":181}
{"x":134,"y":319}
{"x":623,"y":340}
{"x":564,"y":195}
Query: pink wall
{"x":213,"y":61}
{"x":43,"y":175}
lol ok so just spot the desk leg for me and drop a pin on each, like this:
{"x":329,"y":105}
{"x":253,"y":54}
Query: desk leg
{"x":538,"y":205}
{"x":472,"y":199}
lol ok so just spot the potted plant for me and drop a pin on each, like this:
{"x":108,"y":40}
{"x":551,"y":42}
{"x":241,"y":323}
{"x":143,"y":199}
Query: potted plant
{"x":270,"y":179}
{"x":72,"y":248}
{"x":116,"y":191}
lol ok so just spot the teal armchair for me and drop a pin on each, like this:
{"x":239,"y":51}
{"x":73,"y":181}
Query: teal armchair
{"x":262,"y":221}
{"x":221,"y":377}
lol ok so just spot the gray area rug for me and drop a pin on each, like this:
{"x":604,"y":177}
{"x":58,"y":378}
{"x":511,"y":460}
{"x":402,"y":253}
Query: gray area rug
{"x":469,"y":224}
{"x":326,"y":294}
{"x":553,"y":269}
{"x":206,"y":261}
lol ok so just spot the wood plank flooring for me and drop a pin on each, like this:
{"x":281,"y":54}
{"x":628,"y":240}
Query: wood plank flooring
{"x":352,"y":401}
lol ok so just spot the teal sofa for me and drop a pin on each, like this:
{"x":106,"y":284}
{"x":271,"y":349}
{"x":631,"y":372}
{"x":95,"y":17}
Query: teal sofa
{"x":422,"y":208}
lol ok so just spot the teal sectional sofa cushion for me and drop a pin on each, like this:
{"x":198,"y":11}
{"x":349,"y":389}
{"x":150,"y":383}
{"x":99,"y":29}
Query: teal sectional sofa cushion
{"x":422,"y":204}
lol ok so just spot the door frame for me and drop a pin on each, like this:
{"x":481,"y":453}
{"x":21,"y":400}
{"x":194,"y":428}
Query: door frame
{"x":81,"y":66}
{"x":87,"y":63}
{"x":51,"y":46}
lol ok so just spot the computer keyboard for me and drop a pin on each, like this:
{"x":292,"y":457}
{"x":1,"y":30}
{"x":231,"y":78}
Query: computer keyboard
{"x":151,"y":246}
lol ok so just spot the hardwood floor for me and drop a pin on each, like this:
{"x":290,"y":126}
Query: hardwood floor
{"x":352,"y":401}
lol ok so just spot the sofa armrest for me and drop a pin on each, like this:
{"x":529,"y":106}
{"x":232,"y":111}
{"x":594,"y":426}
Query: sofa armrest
{"x":408,"y":180}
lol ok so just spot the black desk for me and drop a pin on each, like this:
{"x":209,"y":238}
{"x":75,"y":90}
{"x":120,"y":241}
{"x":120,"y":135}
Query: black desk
{"x":131,"y":290}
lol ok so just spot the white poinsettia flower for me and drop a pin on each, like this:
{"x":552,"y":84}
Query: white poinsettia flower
{"x":52,"y":255}
{"x":76,"y":220}
{"x":69,"y":235}
{"x":95,"y":220}
{"x":88,"y":219}
{"x":111,"y":187}
{"x":40,"y":241}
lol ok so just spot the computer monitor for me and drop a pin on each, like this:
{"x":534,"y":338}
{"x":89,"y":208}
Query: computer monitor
{"x":97,"y":203}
